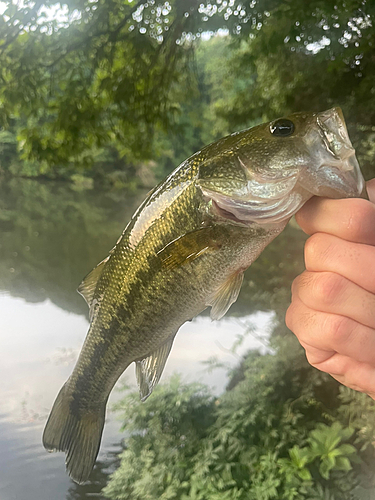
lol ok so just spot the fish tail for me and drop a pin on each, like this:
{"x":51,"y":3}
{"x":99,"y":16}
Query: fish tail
{"x":78,"y":433}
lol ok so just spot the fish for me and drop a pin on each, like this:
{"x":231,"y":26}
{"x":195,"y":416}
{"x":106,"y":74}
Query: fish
{"x":185,"y":249}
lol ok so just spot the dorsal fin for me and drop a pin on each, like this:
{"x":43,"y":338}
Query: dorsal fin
{"x":225,"y":295}
{"x":89,"y":282}
{"x":149,"y":370}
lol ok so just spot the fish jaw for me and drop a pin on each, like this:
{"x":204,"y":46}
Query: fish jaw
{"x":334,"y":171}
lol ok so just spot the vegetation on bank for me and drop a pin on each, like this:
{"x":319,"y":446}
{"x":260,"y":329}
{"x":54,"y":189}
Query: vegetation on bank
{"x":195,"y":123}
{"x":283,"y":431}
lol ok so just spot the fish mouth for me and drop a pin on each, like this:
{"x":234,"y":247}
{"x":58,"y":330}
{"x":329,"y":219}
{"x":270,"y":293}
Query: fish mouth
{"x":338,"y":174}
{"x":334,"y":133}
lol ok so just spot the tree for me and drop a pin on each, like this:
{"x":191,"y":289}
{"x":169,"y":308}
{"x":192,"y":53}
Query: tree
{"x":116,"y":72}
{"x":310,"y":56}
{"x":102,"y":76}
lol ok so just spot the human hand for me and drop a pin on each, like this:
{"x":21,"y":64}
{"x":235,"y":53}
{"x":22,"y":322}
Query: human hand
{"x":333,"y":302}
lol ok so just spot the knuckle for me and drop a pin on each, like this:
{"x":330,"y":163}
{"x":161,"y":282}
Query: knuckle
{"x":327,"y":288}
{"x":338,"y":330}
{"x":312,"y":247}
{"x":318,"y":248}
{"x":314,"y":362}
{"x":322,"y":359}
{"x":296,"y":320}
{"x":310,"y":359}
{"x":289,"y":317}
{"x":302,"y":282}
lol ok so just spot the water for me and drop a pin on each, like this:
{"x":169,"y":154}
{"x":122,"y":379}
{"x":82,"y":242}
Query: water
{"x":51,"y":236}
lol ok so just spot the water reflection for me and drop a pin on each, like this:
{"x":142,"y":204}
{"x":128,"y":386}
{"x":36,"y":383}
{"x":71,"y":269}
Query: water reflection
{"x":50,"y":237}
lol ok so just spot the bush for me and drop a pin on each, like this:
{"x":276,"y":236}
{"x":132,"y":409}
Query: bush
{"x":283,"y":432}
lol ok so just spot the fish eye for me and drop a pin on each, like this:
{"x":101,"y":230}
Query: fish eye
{"x":282,"y":127}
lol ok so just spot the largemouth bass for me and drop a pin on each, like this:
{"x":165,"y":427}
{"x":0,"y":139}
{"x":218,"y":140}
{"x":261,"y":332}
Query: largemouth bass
{"x":186,"y":249}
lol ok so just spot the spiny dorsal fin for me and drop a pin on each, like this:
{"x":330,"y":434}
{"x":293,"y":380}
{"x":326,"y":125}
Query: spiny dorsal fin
{"x":89,"y":282}
{"x":225,"y":295}
{"x":188,"y":247}
{"x":149,"y":370}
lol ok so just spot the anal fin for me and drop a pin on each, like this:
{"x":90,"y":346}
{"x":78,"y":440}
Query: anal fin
{"x":148,"y":370}
{"x":225,"y":295}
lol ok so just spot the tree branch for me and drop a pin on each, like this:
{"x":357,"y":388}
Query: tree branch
{"x":112,"y":36}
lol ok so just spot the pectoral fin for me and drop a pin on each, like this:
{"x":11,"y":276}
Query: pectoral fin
{"x":149,"y":370}
{"x":225,"y":295}
{"x":88,"y":285}
{"x":188,"y":247}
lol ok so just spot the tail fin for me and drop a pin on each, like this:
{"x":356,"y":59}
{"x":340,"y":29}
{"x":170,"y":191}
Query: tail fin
{"x":77,"y":433}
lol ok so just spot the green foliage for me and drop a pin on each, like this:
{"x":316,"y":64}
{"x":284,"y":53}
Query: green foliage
{"x":120,"y":75}
{"x":88,"y":81}
{"x":279,"y":433}
{"x":165,"y":434}
{"x":309,"y":56}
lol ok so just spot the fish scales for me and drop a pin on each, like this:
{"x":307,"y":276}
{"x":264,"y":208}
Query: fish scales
{"x":144,"y":279}
{"x":185,"y":249}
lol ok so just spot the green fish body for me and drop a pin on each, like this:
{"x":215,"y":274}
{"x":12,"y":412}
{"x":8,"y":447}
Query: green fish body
{"x":185,"y":249}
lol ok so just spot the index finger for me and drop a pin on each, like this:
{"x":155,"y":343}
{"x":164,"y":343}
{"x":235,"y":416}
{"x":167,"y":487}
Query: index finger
{"x":350,"y":219}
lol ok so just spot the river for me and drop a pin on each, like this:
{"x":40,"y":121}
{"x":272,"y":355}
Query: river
{"x":51,"y":235}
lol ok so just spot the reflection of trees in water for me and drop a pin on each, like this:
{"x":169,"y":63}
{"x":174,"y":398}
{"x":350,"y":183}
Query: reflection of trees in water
{"x":52,"y":236}
{"x":98,"y":478}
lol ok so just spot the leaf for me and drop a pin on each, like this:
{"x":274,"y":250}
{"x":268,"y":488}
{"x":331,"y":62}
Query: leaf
{"x":305,"y":474}
{"x":299,"y":457}
{"x":324,"y":470}
{"x":343,"y":463}
{"x":347,"y":449}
